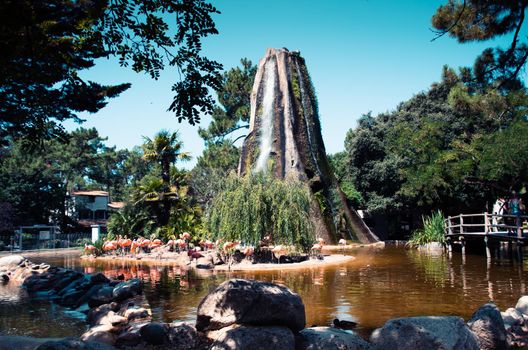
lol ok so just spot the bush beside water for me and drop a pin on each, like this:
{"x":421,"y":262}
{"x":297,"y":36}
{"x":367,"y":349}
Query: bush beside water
{"x":256,"y":206}
{"x":432,"y":231}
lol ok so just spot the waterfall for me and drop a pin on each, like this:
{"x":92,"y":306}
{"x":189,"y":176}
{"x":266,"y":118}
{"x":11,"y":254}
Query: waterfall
{"x":266,"y":119}
{"x":305,"y":106}
{"x":308,"y":126}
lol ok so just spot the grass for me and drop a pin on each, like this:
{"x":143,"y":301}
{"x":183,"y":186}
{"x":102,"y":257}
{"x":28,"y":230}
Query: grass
{"x":432,"y":231}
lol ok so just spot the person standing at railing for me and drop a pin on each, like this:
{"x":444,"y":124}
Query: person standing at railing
{"x":515,"y":207}
{"x":498,"y":211}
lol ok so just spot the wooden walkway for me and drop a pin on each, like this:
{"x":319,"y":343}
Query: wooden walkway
{"x":503,"y":228}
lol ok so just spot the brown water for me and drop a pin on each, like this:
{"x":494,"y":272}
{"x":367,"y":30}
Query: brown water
{"x":378,"y":285}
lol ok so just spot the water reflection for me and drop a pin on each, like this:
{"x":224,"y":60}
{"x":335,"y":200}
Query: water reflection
{"x":376,"y":286}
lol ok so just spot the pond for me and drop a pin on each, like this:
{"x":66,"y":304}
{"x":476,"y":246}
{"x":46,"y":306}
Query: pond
{"x":378,"y":285}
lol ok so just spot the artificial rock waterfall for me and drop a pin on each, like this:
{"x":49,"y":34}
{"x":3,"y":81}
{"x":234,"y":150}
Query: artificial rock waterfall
{"x":285,"y":139}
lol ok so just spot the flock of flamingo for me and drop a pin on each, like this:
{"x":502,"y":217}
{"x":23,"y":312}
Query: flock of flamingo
{"x":126,"y":245}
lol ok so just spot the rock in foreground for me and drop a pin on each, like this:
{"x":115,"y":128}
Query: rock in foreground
{"x":327,"y":338}
{"x":487,"y":324}
{"x":254,"y":338}
{"x":425,"y":333}
{"x":248,"y":302}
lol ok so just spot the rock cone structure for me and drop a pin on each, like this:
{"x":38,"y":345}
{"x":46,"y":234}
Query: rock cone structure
{"x":285,"y":138}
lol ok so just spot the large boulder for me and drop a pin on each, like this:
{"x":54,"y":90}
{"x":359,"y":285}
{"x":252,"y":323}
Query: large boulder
{"x":10,"y":342}
{"x":96,"y":314}
{"x":11,"y":261}
{"x":73,"y":344}
{"x":327,"y":338}
{"x":487,"y":324}
{"x":128,"y":289}
{"x":522,"y":304}
{"x":512,"y":317}
{"x":154,"y":333}
{"x":104,"y":333}
{"x":249,"y":302}
{"x":104,"y":295}
{"x":253,"y":338}
{"x":425,"y":333}
{"x":183,"y":336}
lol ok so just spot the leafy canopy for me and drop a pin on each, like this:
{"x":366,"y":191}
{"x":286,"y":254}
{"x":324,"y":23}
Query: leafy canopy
{"x":46,"y":44}
{"x":256,"y":206}
{"x":481,"y":20}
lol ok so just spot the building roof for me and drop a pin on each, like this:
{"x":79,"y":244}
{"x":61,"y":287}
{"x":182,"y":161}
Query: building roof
{"x":116,"y":205}
{"x":88,"y":223}
{"x":90,"y":193}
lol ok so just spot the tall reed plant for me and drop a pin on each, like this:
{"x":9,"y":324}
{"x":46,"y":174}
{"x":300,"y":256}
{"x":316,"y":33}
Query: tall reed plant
{"x":432,"y":230}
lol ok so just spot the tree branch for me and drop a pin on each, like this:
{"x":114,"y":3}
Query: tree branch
{"x":441,"y":33}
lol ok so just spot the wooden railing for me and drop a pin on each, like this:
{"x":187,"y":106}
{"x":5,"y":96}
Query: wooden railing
{"x":486,"y":224}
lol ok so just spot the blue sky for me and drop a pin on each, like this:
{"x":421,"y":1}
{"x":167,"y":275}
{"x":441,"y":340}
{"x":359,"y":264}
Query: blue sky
{"x":362,"y":55}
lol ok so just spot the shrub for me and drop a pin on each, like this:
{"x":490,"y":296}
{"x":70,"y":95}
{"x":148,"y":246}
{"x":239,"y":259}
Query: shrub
{"x":256,"y":205}
{"x":432,"y":231}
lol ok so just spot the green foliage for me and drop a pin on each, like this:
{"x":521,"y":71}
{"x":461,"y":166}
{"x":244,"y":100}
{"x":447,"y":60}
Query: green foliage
{"x":41,"y":57}
{"x":340,"y":165}
{"x":98,"y":247}
{"x":256,"y":206}
{"x":351,"y":193}
{"x":208,"y":177}
{"x":234,"y":94}
{"x":36,"y":183}
{"x":504,"y":156}
{"x":159,"y":202}
{"x":481,"y":20}
{"x":432,"y":231}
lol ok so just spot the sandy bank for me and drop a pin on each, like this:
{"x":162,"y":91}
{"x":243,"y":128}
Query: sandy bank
{"x":328,"y":260}
{"x":179,"y":260}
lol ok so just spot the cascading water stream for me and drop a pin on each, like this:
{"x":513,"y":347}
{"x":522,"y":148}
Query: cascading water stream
{"x":305,"y":106}
{"x":266,"y":119}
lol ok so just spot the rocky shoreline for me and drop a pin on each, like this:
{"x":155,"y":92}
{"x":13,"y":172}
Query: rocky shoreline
{"x":239,"y":314}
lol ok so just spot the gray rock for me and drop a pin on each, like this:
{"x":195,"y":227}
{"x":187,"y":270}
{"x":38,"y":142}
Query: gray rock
{"x":139,"y":313}
{"x":327,"y":338}
{"x":154,"y":333}
{"x":112,"y":319}
{"x":82,"y":283}
{"x":71,"y":298}
{"x":253,"y":338}
{"x":182,"y":336}
{"x":424,"y":333}
{"x":66,"y":280}
{"x":10,"y":261}
{"x":96,"y":314}
{"x":10,"y":342}
{"x":512,"y":317}
{"x":522,"y":304}
{"x":128,"y":339}
{"x":104,"y":295}
{"x":487,"y":324}
{"x":88,"y":295}
{"x":73,"y":344}
{"x":104,"y":333}
{"x":249,"y":302}
{"x":99,"y":278}
{"x":128,"y":289}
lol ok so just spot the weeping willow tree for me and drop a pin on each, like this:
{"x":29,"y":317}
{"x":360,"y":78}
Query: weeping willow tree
{"x":255,"y":206}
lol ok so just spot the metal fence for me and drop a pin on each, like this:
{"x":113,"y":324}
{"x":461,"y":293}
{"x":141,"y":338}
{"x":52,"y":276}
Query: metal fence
{"x":31,"y":241}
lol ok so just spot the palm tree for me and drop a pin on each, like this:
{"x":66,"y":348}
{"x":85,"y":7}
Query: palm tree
{"x":165,"y":149}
